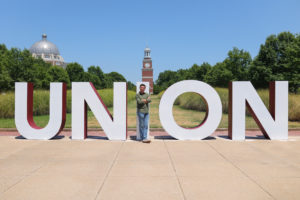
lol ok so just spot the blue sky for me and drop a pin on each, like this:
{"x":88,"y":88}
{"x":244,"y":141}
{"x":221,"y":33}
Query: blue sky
{"x":113,"y":34}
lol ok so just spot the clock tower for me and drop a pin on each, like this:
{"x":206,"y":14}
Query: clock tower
{"x":147,"y":70}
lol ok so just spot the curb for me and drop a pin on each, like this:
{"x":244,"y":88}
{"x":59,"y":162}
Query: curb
{"x":134,"y":129}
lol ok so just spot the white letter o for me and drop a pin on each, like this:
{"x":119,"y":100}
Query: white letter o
{"x":214,"y":110}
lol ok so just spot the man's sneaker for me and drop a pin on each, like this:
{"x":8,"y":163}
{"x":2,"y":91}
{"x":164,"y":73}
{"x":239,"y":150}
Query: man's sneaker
{"x":146,"y":141}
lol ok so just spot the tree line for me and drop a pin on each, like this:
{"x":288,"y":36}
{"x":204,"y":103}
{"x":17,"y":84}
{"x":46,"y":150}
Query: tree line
{"x":19,"y":66}
{"x":278,"y":59}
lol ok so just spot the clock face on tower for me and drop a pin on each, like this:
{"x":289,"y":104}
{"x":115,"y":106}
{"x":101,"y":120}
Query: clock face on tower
{"x":147,"y":65}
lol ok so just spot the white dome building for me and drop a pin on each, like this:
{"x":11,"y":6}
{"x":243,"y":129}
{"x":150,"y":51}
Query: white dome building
{"x":47,"y":51}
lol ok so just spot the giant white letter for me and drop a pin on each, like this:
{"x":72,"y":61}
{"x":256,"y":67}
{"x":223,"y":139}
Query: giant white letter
{"x":213,"y":115}
{"x":273,"y":124}
{"x":24,"y":111}
{"x":83,"y":94}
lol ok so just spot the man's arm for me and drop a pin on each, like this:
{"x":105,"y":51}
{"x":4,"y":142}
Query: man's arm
{"x":148,"y":99}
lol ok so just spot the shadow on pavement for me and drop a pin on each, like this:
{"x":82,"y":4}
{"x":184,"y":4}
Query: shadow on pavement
{"x":257,"y":137}
{"x":168,"y":137}
{"x":94,"y":137}
{"x":58,"y":137}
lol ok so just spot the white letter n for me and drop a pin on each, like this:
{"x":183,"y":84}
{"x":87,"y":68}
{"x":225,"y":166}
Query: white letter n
{"x":273,"y":124}
{"x":83,"y":94}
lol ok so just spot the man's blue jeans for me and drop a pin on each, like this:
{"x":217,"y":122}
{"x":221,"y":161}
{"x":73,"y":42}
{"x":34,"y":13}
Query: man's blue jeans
{"x":143,"y":124}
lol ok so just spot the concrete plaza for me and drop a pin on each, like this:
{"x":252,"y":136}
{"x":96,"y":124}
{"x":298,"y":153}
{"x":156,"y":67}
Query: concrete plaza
{"x":214,"y":168}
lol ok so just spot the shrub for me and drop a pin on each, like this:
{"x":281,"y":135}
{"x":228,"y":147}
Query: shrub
{"x":294,"y":107}
{"x":7,"y":105}
{"x":160,"y":94}
{"x":193,"y":101}
{"x":41,"y":101}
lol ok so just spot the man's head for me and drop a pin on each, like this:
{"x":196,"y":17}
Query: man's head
{"x":142,"y":88}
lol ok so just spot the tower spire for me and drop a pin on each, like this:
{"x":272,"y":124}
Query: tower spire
{"x":147,"y":52}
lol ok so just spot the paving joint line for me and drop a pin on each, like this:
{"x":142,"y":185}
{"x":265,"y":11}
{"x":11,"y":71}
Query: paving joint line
{"x":31,"y":172}
{"x":244,"y":173}
{"x":270,"y":155}
{"x":109,"y":170}
{"x":174,"y":169}
{"x":23,"y":178}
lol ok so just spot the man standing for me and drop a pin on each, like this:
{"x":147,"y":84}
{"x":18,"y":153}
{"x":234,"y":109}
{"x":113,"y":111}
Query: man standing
{"x":142,"y":101}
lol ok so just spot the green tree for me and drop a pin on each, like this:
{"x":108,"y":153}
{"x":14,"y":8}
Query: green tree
{"x":88,"y":77}
{"x":156,"y":89}
{"x":219,"y":75}
{"x":6,"y":82}
{"x":21,"y":66}
{"x":97,"y":71}
{"x":192,"y":72}
{"x":75,"y":72}
{"x":280,"y":54}
{"x":113,"y":77}
{"x":238,"y":62}
{"x":259,"y":74}
{"x":184,"y":74}
{"x":131,"y":86}
{"x":41,"y":68}
{"x":57,"y":74}
{"x":167,"y":78}
{"x":203,"y":70}
{"x":197,"y":72}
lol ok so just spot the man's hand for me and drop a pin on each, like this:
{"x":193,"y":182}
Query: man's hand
{"x":148,"y":98}
{"x":144,"y":100}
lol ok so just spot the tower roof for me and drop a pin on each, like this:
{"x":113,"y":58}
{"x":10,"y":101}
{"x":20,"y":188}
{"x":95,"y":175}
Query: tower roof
{"x":147,"y":53}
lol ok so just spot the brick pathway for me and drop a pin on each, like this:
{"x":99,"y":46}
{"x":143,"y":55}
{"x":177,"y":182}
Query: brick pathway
{"x":156,"y":133}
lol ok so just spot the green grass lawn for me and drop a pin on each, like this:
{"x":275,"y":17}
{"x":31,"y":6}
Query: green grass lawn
{"x":184,"y":118}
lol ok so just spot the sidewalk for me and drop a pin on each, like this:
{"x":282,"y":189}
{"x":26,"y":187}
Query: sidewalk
{"x":215,"y":168}
{"x":155,"y":132}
